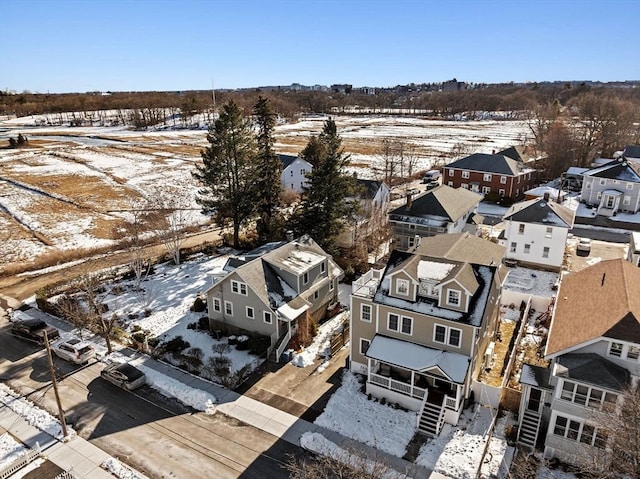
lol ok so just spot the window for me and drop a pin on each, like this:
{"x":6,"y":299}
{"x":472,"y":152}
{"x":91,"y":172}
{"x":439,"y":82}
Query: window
{"x":446,"y":335}
{"x":465,"y":174}
{"x":305,"y":278}
{"x":527,"y":248}
{"x":629,"y":186}
{"x":268,"y":318}
{"x":250,"y":313}
{"x":323,"y":267}
{"x":514,"y":247}
{"x":633,"y":352}
{"x":402,"y":287}
{"x":545,"y":252}
{"x":331,"y":285}
{"x":626,"y":200}
{"x":603,"y":181}
{"x":486,"y":177}
{"x":365,"y":313}
{"x":450,"y":183}
{"x":574,"y":430}
{"x":586,"y":396}
{"x":503,"y":180}
{"x":407,"y":325}
{"x":486,"y":190}
{"x":228,"y":308}
{"x":451,"y":171}
{"x":549,"y":232}
{"x":453,"y":297}
{"x":464,"y":186}
{"x":521,"y":229}
{"x":561,"y":426}
{"x":302,"y":172}
{"x":239,"y":288}
{"x":316,"y":295}
{"x":501,"y":192}
{"x":599,"y":195}
{"x":577,"y":431}
{"x":392,"y":323}
{"x":217,"y":305}
{"x":364,"y":346}
{"x":615,"y":349}
{"x":291,"y":172}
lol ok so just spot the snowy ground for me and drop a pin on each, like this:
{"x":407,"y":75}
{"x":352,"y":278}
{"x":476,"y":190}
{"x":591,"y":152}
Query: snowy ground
{"x":530,"y":281}
{"x":10,"y":449}
{"x":320,"y":345}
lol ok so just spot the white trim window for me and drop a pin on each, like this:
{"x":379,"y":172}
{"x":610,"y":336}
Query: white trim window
{"x":545,"y":252}
{"x":323,"y":267}
{"x":527,"y":248}
{"x":446,"y":335}
{"x":407,"y":325}
{"x":364,"y":346}
{"x":486,"y":177}
{"x":586,"y":396}
{"x":453,"y":297}
{"x":239,"y":288}
{"x":217,"y":305}
{"x":501,"y":192}
{"x":251,"y":313}
{"x":486,"y":190}
{"x":365,"y":312}
{"x":521,"y":229}
{"x":629,"y":186}
{"x":465,"y":174}
{"x":331,"y":285}
{"x":450,"y":183}
{"x":228,"y":308}
{"x":626,"y":200}
{"x":267,"y":317}
{"x":305,"y":278}
{"x":392,"y":322}
{"x":402,"y":287}
{"x":503,"y":180}
{"x":514,"y":247}
{"x":549,"y":232}
{"x":630,"y":352}
{"x":401,"y":324}
{"x":615,"y":349}
{"x":451,"y":172}
{"x":578,"y":431}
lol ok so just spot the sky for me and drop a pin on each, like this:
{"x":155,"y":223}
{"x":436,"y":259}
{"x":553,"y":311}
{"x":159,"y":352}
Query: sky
{"x":63,"y":46}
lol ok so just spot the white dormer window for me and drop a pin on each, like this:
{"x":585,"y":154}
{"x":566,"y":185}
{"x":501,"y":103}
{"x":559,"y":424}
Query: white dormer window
{"x":402,"y":287}
{"x":453,"y":297}
{"x":239,"y":288}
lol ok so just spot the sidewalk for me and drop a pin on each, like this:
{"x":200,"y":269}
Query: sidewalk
{"x":76,"y":455}
{"x":259,"y":415}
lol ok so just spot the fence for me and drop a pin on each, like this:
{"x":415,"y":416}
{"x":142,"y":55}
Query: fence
{"x":339,"y":338}
{"x":19,"y":463}
{"x":67,"y":475}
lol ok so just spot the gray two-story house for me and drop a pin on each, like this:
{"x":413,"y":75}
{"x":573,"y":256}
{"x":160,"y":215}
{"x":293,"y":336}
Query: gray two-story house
{"x":266,"y":291}
{"x":421,"y":325}
{"x":612,"y":188}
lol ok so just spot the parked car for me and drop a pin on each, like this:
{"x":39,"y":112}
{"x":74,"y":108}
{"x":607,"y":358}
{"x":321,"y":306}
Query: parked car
{"x":33,"y":330}
{"x":74,"y":350}
{"x":584,"y":245}
{"x":413,"y":191}
{"x":124,"y":375}
{"x":431,"y":175}
{"x":432,"y":184}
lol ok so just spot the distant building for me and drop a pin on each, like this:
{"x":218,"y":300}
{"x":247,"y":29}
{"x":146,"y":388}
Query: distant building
{"x":611,"y":188}
{"x":294,"y":172}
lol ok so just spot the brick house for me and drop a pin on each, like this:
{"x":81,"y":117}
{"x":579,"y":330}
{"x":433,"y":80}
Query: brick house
{"x":506,"y":177}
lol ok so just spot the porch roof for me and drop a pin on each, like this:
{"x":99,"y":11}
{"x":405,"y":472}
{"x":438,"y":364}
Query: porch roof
{"x":293,"y":308}
{"x":418,"y":358}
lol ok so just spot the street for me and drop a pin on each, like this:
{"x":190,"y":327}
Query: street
{"x":157,"y":436}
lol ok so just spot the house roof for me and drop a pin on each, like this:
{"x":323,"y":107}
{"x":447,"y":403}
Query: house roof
{"x":418,"y":358}
{"x":593,"y":369}
{"x":286,"y":159}
{"x":631,"y":151}
{"x":442,"y":201}
{"x":619,"y":169}
{"x":541,"y":211}
{"x":514,"y":152}
{"x":535,"y":376}
{"x":602,"y":300}
{"x":462,"y":247}
{"x":369,"y":188}
{"x":499,"y":164}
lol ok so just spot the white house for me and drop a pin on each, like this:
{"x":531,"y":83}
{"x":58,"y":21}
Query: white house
{"x":633,"y":256}
{"x":536,"y":232}
{"x":294,"y":172}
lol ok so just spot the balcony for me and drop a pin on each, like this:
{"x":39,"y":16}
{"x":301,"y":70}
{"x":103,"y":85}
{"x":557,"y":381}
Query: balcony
{"x":367,"y":284}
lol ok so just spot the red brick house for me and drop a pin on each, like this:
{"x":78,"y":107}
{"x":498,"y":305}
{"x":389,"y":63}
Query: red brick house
{"x":495,"y":173}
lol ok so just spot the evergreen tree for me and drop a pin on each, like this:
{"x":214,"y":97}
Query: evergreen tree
{"x":227,"y":173}
{"x":324,"y":207}
{"x":268,"y":172}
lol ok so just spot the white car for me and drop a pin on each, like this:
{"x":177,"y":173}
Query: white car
{"x":74,"y":350}
{"x":584,"y":245}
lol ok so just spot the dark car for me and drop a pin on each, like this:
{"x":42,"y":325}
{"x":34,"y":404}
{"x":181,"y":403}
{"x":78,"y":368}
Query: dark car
{"x":33,"y":330}
{"x":124,"y":375}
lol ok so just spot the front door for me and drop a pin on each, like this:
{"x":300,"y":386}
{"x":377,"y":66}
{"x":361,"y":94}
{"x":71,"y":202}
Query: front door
{"x":535,"y":397}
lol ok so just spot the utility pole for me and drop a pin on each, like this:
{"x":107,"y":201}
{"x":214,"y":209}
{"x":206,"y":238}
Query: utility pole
{"x":55,"y":386}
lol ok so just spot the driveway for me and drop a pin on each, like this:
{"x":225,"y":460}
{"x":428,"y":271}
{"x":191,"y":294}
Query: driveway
{"x":600,"y":250}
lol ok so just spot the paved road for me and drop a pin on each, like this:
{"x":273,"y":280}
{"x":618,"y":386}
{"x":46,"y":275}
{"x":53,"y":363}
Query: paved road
{"x":160,"y":437}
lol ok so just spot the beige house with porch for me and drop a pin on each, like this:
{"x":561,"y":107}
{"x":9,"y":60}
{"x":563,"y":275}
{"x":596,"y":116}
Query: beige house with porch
{"x":268,"y":289}
{"x":421,"y":325}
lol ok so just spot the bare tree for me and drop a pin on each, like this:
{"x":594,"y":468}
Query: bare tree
{"x":388,"y":156}
{"x":170,"y":219}
{"x":133,"y":230}
{"x":540,"y":120}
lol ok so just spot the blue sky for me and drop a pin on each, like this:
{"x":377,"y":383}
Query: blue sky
{"x":134,"y":45}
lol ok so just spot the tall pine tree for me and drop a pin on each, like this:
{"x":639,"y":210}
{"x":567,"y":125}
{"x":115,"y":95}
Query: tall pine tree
{"x":324,"y":206}
{"x":268,"y":172}
{"x":227,"y":173}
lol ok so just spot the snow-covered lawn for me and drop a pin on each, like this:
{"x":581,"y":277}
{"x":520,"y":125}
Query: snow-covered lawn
{"x":351,"y":414}
{"x":320,"y":347}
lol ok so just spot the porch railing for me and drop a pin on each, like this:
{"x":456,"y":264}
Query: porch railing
{"x":283,"y":343}
{"x":398,"y":386}
{"x":450,"y":403}
{"x":20,"y":462}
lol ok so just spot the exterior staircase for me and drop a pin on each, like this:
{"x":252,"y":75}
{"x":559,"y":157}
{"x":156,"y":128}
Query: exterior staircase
{"x":529,"y":428}
{"x":431,"y":417}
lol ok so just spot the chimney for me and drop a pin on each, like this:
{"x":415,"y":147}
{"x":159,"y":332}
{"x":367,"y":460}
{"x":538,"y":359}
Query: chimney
{"x":546,"y":196}
{"x":289,"y":235}
{"x":409,"y":200}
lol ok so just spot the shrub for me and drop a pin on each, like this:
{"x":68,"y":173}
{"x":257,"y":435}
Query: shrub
{"x":199,"y":305}
{"x":192,"y":325}
{"x":176,"y":345}
{"x":243,"y":343}
{"x":193,"y":357}
{"x":203,"y":323}
{"x":259,"y":344}
{"x":153,"y":342}
{"x":138,"y":336}
{"x":232,"y":340}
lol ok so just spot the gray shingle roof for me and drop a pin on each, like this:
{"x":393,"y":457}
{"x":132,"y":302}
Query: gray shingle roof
{"x":540,"y":211}
{"x":631,"y":151}
{"x":443,"y":201}
{"x":619,"y":169}
{"x":369,"y":188}
{"x":497,"y":164}
{"x":286,"y":159}
{"x":593,"y":369}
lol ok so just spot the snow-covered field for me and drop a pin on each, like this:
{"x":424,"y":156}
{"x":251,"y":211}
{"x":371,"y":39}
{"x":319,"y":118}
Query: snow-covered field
{"x":71,"y":187}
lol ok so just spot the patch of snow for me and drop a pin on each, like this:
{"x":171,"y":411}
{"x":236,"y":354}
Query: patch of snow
{"x":120,"y":470}
{"x":434,"y":270}
{"x":320,"y":346}
{"x":10,"y":449}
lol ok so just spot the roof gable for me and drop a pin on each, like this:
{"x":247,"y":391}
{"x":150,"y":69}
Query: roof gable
{"x":497,"y":163}
{"x":594,"y":302}
{"x":286,"y":159}
{"x":541,"y":211}
{"x":443,"y":201}
{"x":619,"y":169}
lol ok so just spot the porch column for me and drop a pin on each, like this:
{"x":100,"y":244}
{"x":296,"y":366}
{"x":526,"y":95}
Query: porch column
{"x":413,"y":381}
{"x":458,"y":388}
{"x":368,"y":369}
